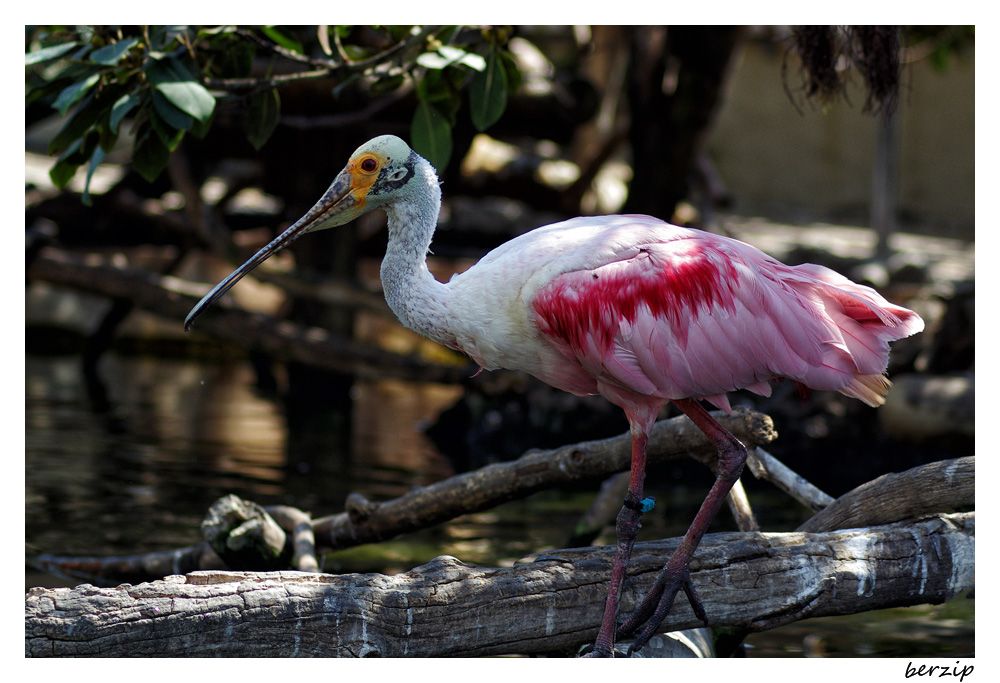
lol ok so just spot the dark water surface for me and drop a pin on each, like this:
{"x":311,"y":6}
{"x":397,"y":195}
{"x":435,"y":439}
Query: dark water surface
{"x":131,"y":464}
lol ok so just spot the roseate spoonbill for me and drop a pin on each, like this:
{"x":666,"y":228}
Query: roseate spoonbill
{"x":629,"y":307}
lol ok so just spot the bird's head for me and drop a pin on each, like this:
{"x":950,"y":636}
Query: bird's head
{"x":378,"y":171}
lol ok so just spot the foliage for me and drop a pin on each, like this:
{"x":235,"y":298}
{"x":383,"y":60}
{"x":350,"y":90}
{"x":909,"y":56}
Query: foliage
{"x":169,"y":82}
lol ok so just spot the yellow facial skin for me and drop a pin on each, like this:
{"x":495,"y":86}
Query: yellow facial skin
{"x":364,"y":173}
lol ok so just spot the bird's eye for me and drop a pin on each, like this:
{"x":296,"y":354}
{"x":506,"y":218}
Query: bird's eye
{"x":369,"y":165}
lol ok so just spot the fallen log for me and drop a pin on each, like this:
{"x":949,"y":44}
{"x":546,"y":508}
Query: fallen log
{"x":754,"y":581}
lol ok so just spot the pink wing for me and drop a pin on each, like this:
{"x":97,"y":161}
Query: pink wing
{"x":700,"y":316}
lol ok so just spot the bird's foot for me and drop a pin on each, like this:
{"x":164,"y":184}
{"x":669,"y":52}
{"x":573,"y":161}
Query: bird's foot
{"x":594,"y":651}
{"x":656,"y":605}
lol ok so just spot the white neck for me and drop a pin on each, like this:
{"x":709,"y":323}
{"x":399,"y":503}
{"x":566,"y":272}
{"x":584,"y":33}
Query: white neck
{"x":418,"y":300}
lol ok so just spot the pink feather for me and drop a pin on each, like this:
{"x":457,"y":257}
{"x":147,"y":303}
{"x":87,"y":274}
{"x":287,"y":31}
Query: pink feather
{"x":694,"y":314}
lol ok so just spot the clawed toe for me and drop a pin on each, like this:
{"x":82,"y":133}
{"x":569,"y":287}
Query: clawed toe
{"x":656,"y":605}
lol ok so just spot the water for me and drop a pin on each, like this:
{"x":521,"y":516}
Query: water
{"x":131,"y":464}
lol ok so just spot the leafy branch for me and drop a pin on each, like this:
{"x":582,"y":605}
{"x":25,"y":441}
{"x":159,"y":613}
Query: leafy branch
{"x":166,"y":82}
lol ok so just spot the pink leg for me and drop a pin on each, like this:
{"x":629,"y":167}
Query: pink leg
{"x":627,"y":526}
{"x":675,"y":574}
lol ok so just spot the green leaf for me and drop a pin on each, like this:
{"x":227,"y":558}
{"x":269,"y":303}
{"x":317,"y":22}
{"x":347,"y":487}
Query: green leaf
{"x":281,"y":39}
{"x":432,"y":60}
{"x":163,"y":37}
{"x":200,"y":128}
{"x":176,"y":82}
{"x":169,"y":136}
{"x":171,"y":114}
{"x":430,"y":134}
{"x":386,"y":85}
{"x":457,"y":55}
{"x":121,"y":108}
{"x":47,"y":53}
{"x":235,"y":58}
{"x":434,"y":88}
{"x":514,"y":76}
{"x":488,"y":94}
{"x":262,"y":116}
{"x":76,"y":127}
{"x":65,"y":167}
{"x":110,"y":54}
{"x":225,"y":28}
{"x":150,"y":156}
{"x":446,"y":55}
{"x":65,"y":71}
{"x":74,"y":93}
{"x":62,"y":172}
{"x":95,"y":160}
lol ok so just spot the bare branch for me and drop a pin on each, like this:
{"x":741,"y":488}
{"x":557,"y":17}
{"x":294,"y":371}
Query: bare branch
{"x":329,"y":69}
{"x":494,"y":484}
{"x":765,"y":466}
{"x":739,"y":507}
{"x":133,"y":568}
{"x":290,"y":55}
{"x":299,"y":525}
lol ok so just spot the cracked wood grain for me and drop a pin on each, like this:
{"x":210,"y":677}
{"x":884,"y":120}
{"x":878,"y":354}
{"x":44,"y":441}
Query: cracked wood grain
{"x":943,"y":486}
{"x":552,"y":604}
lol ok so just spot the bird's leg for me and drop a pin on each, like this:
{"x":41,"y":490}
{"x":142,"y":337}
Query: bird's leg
{"x":675,"y":574}
{"x":627,"y":526}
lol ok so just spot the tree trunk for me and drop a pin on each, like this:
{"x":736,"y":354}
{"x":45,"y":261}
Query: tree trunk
{"x":675,"y":85}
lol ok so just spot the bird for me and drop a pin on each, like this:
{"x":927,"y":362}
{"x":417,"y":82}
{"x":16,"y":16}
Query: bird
{"x":630,"y":307}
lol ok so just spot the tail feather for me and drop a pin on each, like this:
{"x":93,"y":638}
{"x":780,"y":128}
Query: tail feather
{"x":865,"y":323}
{"x":871,"y":389}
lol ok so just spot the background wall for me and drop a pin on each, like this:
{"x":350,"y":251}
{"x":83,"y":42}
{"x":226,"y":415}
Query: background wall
{"x":817,"y":163}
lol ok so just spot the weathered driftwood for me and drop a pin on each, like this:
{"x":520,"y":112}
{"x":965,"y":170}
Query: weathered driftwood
{"x":299,"y":525}
{"x":739,"y":507}
{"x":366,"y":521}
{"x":891,"y":498}
{"x":244,"y":535}
{"x":553,"y":604}
{"x":942,"y":486}
{"x":173,"y":297}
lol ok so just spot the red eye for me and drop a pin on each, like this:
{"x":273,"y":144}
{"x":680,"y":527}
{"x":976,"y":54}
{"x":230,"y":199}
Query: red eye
{"x":369,"y":165}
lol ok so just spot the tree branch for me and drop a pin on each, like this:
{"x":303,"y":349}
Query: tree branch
{"x":942,"y":486}
{"x":327,"y":68}
{"x":745,"y":580}
{"x":765,"y":466}
{"x":366,"y":521}
{"x":173,"y":297}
